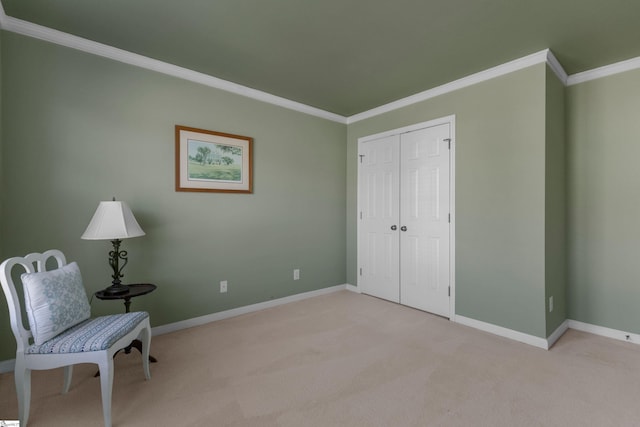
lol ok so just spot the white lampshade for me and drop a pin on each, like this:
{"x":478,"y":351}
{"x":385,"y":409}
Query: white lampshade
{"x":112,"y":220}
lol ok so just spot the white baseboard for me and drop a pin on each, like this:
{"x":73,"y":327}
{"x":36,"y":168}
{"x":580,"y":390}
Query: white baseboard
{"x":605,"y":332}
{"x":503,"y":332}
{"x":7,"y":365}
{"x":202,"y":320}
{"x":543,"y":343}
{"x":352,"y":288}
{"x":555,"y":336}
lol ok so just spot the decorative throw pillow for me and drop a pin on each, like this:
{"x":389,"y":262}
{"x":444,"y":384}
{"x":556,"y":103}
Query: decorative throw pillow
{"x":55,"y":301}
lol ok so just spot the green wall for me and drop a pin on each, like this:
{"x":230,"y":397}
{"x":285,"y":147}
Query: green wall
{"x":500,"y":195}
{"x":546,"y":190}
{"x":80,"y":129}
{"x":603,"y":133}
{"x":555,"y":203}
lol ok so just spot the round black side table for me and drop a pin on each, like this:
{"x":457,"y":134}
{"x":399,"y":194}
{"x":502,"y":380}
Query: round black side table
{"x":134,"y":290}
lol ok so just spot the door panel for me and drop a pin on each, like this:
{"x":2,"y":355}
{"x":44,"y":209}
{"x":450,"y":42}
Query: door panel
{"x":404,"y":184}
{"x":380,"y":198}
{"x":424,"y":252}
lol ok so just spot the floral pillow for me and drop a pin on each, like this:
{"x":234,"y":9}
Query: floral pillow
{"x":55,"y":301}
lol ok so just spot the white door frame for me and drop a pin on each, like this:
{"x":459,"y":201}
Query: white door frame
{"x":451,"y":120}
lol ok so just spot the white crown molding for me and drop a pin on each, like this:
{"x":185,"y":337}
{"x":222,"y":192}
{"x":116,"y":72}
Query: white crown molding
{"x":607,"y":70}
{"x":557,"y":68}
{"x":19,"y":26}
{"x":500,"y":70}
{"x":3,"y":17}
{"x":64,"y":39}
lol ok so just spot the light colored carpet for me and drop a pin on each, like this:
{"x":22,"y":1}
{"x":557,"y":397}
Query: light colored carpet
{"x":349,"y":360}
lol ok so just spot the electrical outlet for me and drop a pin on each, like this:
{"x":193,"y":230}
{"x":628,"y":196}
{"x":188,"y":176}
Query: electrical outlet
{"x":550,"y":304}
{"x":296,"y":274}
{"x":223,"y":286}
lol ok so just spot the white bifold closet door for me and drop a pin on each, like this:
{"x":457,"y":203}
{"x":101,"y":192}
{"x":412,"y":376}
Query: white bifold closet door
{"x":404,"y":223}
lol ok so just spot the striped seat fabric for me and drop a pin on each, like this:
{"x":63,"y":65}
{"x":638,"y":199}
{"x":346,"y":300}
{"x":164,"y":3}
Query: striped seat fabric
{"x":91,"y":335}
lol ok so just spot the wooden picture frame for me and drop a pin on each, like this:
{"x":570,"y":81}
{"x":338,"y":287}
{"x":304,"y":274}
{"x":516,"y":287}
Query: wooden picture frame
{"x":209,"y":161}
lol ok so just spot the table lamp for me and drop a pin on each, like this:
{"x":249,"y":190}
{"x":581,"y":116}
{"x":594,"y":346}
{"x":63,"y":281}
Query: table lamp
{"x":114,"y":221}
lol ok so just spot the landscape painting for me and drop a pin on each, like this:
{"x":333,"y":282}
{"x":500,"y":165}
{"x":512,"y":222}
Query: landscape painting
{"x":213,"y":161}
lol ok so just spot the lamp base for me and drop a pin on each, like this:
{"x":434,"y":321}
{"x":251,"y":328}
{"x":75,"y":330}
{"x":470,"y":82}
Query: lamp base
{"x":116,"y":290}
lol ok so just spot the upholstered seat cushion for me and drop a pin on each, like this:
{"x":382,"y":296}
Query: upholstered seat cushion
{"x":91,"y":335}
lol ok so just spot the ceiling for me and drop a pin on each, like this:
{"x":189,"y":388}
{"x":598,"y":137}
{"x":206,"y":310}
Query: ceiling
{"x":348,"y":56}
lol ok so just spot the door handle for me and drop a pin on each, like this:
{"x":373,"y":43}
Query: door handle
{"x":394,"y":227}
{"x":403,"y":228}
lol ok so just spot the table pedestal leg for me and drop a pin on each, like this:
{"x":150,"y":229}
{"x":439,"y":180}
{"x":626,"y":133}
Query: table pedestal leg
{"x":137,"y":344}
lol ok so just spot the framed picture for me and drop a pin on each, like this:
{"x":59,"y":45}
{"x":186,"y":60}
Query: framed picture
{"x":211,"y":161}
